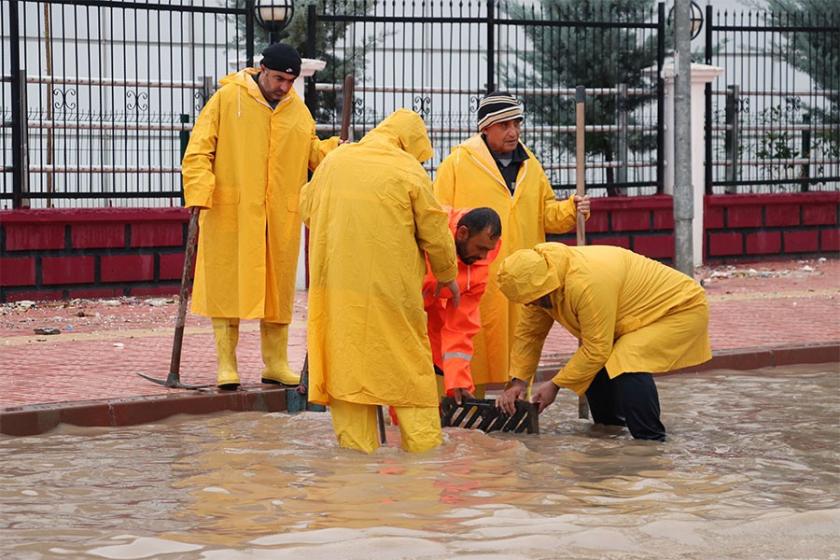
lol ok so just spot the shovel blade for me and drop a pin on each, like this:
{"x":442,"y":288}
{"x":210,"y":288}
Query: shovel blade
{"x":173,"y":382}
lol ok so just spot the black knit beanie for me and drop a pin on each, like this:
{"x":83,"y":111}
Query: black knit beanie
{"x":282,"y":57}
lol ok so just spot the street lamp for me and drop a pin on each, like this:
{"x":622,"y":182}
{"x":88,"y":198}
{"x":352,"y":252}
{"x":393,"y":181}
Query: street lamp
{"x":696,"y":19}
{"x":274,"y":16}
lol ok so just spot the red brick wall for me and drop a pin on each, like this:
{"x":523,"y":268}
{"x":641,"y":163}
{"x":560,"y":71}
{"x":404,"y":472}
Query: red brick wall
{"x":751,"y":226}
{"x":54,"y":254}
{"x":644,"y":224}
{"x":736,"y":226}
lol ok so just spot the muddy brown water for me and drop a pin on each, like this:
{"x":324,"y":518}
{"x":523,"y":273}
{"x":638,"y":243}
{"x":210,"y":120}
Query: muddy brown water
{"x":750,"y":471}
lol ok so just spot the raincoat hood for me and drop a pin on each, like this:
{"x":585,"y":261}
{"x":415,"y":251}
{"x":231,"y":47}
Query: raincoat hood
{"x":245,"y":79}
{"x":405,"y":130}
{"x":528,"y":275}
{"x":242,"y":77}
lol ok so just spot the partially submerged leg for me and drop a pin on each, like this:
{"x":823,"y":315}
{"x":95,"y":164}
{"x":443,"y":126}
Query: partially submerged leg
{"x":639,"y":401}
{"x":419,"y":428}
{"x":355,"y":425}
{"x":602,"y":401}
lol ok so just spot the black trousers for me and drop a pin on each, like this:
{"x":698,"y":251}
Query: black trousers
{"x":628,"y":400}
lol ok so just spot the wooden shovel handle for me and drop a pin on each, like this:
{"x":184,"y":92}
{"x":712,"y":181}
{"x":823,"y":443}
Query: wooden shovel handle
{"x":347,"y":106}
{"x":580,"y":157}
{"x":183,"y":296}
{"x":580,"y":190}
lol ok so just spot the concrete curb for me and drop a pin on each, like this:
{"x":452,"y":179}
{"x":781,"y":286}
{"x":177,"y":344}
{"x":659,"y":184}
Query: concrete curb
{"x":747,"y":359}
{"x":37,"y":419}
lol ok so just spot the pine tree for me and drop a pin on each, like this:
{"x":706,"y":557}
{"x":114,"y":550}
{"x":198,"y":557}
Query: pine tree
{"x":595,"y":57}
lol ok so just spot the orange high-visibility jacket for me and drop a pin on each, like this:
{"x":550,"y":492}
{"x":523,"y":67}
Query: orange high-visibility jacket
{"x":451,"y":329}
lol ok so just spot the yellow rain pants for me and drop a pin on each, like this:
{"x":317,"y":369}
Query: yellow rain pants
{"x":356,"y":426}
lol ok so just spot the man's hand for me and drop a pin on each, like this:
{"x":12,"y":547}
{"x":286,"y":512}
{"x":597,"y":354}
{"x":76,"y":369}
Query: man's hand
{"x":582,"y":205}
{"x":507,"y":400}
{"x":545,"y":395}
{"x":459,"y":394}
{"x":455,"y":301}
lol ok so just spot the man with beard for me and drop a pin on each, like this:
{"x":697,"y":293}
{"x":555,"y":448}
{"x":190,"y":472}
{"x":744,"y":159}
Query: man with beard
{"x":477,"y":236}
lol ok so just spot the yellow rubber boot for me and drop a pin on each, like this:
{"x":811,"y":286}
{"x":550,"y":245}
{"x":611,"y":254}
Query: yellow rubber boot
{"x":274,"y":343}
{"x":226,"y":332}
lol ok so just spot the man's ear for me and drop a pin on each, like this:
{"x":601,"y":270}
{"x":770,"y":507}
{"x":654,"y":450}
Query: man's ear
{"x":462,"y":233}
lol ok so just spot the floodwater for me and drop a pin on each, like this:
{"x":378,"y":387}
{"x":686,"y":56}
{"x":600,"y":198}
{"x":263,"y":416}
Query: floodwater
{"x":751,"y":470}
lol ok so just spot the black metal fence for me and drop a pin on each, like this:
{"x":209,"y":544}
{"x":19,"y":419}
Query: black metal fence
{"x":440,"y":57}
{"x":773,"y":117}
{"x":98,"y":96}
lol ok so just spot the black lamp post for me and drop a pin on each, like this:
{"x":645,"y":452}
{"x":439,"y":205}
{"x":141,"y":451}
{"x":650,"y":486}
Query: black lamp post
{"x":274,"y":16}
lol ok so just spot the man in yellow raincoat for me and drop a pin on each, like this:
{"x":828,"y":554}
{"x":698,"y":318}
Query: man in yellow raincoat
{"x":371,"y":215}
{"x":494,"y":169}
{"x":245,"y":164}
{"x":634,"y":316}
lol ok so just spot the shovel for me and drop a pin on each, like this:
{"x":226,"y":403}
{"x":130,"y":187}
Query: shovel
{"x":173,"y":380}
{"x":580,"y":184}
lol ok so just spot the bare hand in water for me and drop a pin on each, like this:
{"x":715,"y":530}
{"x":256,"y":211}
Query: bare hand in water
{"x":460,"y":394}
{"x":507,"y":400}
{"x":545,"y":395}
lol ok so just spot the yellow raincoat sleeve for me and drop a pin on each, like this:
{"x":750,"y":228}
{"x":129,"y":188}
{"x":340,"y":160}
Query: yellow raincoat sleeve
{"x":433,"y":235}
{"x":318,"y":149}
{"x":444,"y":187}
{"x":199,"y":159}
{"x":596,"y":307}
{"x":309,"y":198}
{"x":529,"y":338}
{"x":559,"y":216}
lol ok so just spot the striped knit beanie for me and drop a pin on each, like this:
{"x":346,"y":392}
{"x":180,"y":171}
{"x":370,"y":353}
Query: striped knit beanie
{"x":497,"y":107}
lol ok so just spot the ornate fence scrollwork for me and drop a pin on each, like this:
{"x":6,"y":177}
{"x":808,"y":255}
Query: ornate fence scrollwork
{"x":136,"y":101}
{"x":422,"y":105}
{"x":64,"y":98}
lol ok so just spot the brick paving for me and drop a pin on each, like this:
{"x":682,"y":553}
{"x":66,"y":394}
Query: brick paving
{"x":103,"y":344}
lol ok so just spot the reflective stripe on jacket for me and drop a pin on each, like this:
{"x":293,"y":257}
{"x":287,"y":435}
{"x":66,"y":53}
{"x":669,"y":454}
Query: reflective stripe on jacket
{"x":452,"y":329}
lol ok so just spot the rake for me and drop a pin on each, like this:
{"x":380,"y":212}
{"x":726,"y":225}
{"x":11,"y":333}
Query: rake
{"x":482,"y":414}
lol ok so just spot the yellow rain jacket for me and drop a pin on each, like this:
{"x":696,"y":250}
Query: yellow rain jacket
{"x":371,"y":215}
{"x":246,"y":164}
{"x":631,"y":313}
{"x":470,"y":178}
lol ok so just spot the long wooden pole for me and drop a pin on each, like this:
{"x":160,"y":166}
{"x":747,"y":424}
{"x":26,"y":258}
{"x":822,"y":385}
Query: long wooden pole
{"x":580,"y":190}
{"x":173,"y":379}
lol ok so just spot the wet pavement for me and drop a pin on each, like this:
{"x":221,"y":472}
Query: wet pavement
{"x":103,"y":344}
{"x":750,"y":471}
